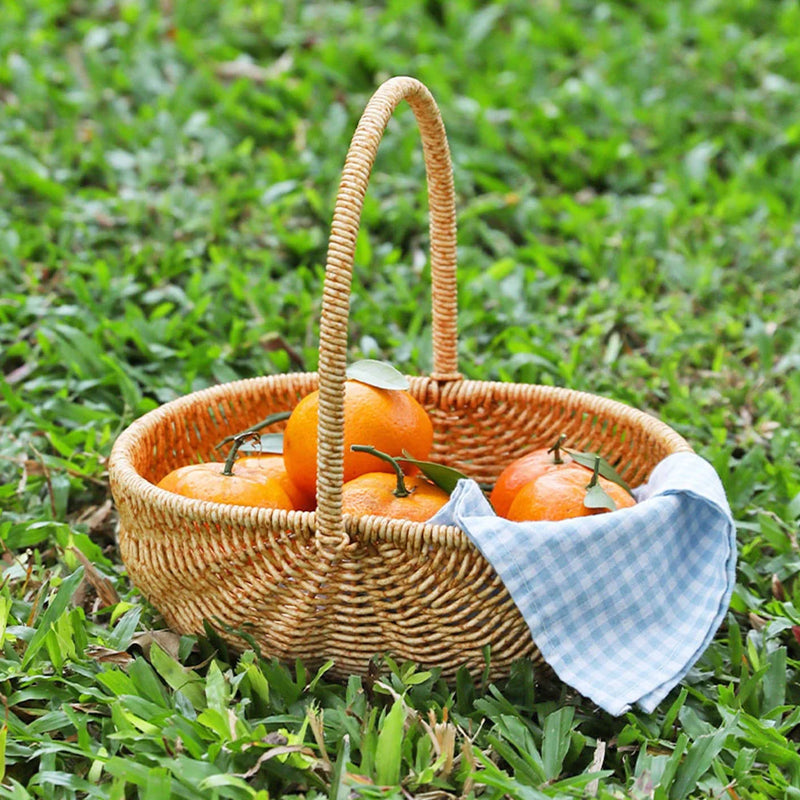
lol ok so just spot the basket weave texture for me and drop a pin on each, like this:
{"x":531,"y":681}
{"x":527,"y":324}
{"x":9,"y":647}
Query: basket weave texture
{"x":322,"y":585}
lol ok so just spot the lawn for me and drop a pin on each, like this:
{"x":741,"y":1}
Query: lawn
{"x":629,"y":224}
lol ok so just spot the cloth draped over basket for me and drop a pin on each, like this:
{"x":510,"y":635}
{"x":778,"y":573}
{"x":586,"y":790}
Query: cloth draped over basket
{"x":621,"y":605}
{"x":322,"y":585}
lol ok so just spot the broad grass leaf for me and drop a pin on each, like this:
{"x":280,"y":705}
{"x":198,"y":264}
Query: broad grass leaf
{"x":255,"y":680}
{"x":794,"y":507}
{"x":519,"y":748}
{"x":377,"y":373}
{"x":147,"y":682}
{"x":389,"y":749}
{"x":338,"y":788}
{"x":54,"y":610}
{"x":556,"y":740}
{"x":216,"y":688}
{"x":221,"y":780}
{"x":122,"y":634}
{"x":491,"y":775}
{"x":581,"y":781}
{"x":698,"y":760}
{"x":674,"y":710}
{"x":74,"y":783}
{"x":3,"y":737}
{"x":671,"y":767}
{"x":180,"y":678}
{"x":158,"y":784}
{"x":5,"y":610}
{"x":465,"y":690}
{"x":312,"y":685}
{"x":138,"y":774}
{"x":774,"y":681}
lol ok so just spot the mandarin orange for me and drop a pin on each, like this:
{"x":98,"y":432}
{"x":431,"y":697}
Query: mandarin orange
{"x":208,"y":481}
{"x":559,"y":494}
{"x":265,"y":466}
{"x":391,"y":420}
{"x":375,"y":493}
{"x":524,"y":470}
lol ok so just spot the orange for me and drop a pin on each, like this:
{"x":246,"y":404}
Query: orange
{"x":271,"y":465}
{"x":559,"y":494}
{"x":524,"y":470}
{"x":208,"y":482}
{"x":390,"y":420}
{"x":375,"y":493}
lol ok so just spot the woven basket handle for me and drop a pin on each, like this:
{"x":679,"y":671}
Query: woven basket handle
{"x":339,"y":272}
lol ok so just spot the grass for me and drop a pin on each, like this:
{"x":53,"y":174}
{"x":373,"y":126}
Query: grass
{"x":627,"y":181}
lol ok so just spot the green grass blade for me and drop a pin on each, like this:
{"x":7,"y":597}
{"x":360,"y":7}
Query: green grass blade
{"x":389,"y":749}
{"x":55,"y":609}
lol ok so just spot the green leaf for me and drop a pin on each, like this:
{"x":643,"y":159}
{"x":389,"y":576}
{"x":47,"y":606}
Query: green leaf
{"x":120,"y":637}
{"x":338,"y":788}
{"x":139,"y":774}
{"x":672,"y":765}
{"x":380,"y":374}
{"x":774,"y":681}
{"x":794,"y":507}
{"x":278,"y":416}
{"x":268,"y":443}
{"x":389,"y":750}
{"x":256,"y":681}
{"x":146,"y":681}
{"x":672,"y":713}
{"x":216,"y":689}
{"x":492,"y":775}
{"x":697,"y":762}
{"x":586,"y":459}
{"x":597,"y":497}
{"x":3,"y":737}
{"x":180,"y":678}
{"x":54,"y":610}
{"x":319,"y":675}
{"x":221,"y":780}
{"x":556,"y":740}
{"x":157,"y":785}
{"x":444,"y":477}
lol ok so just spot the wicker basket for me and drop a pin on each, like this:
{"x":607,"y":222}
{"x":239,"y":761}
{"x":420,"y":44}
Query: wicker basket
{"x":317,"y":585}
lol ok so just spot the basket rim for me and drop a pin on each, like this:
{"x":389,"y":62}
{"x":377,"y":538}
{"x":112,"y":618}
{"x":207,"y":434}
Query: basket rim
{"x":122,"y":472}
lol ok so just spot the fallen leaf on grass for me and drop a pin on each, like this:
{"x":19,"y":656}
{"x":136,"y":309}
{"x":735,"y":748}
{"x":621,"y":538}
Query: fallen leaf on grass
{"x":273,"y":753}
{"x":105,"y":655}
{"x":20,"y":373}
{"x":756,"y":622}
{"x":168,"y":641}
{"x":96,"y":517}
{"x":106,"y":592}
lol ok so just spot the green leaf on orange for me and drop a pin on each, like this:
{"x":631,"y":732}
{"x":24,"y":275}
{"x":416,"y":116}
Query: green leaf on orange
{"x":267,"y":443}
{"x":606,"y":470}
{"x":444,"y":477}
{"x":597,"y":497}
{"x":379,"y":374}
{"x":279,"y":416}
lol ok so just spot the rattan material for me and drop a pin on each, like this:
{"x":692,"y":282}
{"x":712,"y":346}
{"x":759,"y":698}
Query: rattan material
{"x":315,"y":585}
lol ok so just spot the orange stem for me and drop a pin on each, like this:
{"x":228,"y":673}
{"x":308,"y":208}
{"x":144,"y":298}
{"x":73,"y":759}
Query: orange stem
{"x":401,"y":490}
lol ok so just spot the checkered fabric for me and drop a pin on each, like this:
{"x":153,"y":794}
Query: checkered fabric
{"x":621,"y":605}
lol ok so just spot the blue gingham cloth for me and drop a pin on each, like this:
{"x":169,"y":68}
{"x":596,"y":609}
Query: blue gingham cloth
{"x":621,"y":605}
